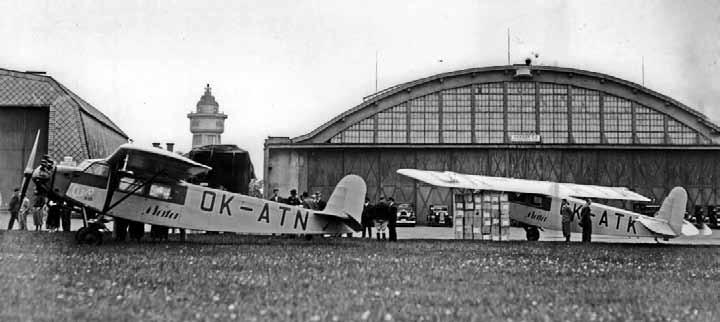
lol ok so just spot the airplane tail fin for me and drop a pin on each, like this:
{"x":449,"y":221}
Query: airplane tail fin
{"x":346,"y":201}
{"x":673,"y":208}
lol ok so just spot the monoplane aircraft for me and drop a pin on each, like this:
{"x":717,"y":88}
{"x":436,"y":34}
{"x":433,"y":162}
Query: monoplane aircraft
{"x":149,"y":185}
{"x":537,"y":205}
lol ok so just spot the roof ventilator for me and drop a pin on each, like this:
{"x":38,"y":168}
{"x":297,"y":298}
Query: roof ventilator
{"x":523,"y":71}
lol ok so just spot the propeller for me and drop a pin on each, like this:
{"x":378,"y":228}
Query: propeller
{"x":27,"y":174}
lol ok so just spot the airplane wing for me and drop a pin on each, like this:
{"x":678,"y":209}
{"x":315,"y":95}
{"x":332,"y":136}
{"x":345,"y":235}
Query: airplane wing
{"x":148,"y":162}
{"x":477,"y":182}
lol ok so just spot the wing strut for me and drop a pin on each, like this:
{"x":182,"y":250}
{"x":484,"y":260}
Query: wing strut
{"x":145,"y":183}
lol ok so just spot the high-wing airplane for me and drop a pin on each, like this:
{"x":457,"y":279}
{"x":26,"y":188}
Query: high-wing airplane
{"x":149,"y":185}
{"x":537,"y":204}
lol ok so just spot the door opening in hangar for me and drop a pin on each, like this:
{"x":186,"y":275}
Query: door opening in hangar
{"x":19,"y":126}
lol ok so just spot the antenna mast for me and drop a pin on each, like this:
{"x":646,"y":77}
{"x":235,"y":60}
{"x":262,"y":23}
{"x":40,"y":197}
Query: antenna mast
{"x":376,"y":71}
{"x":643,"y":70}
{"x":508,"y":45}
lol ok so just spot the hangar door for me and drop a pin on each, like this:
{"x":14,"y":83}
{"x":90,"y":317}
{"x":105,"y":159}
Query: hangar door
{"x":18,"y":126}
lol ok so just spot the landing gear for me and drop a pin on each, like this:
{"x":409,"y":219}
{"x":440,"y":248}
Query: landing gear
{"x":89,"y":236}
{"x":532,"y":233}
{"x":92,"y":234}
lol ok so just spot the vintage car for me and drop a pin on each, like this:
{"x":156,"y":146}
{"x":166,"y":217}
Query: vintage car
{"x":439,"y":216}
{"x":406,"y":215}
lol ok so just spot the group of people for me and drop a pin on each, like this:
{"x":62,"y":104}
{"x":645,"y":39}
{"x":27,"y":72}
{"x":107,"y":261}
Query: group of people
{"x":50,"y":212}
{"x":314,"y":201}
{"x":585,"y":220}
{"x":382,"y":216}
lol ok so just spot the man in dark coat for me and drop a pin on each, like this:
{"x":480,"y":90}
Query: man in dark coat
{"x":392,"y":219}
{"x":366,"y":220}
{"x":14,"y":206}
{"x":586,"y":221}
{"x":293,"y":200}
{"x":320,"y":203}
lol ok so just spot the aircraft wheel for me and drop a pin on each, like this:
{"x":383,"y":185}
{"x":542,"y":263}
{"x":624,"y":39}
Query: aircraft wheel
{"x":79,"y":234}
{"x":532,"y":233}
{"x":90,"y":236}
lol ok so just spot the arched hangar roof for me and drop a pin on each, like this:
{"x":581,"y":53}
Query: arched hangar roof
{"x":558,"y":105}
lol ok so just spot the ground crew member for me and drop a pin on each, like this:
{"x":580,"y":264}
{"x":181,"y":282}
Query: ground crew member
{"x":586,"y":221}
{"x":381,"y":218}
{"x":366,"y":220}
{"x":14,"y":206}
{"x":392,"y":220}
{"x":567,"y":217}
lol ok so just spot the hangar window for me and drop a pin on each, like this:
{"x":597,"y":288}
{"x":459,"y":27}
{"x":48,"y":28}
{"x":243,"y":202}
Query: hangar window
{"x":457,"y":110}
{"x":617,"y":119}
{"x":424,"y":119}
{"x":553,"y":113}
{"x":489,"y":116}
{"x":649,"y":126}
{"x":392,"y":125}
{"x":362,"y":132}
{"x":585,"y":111}
{"x":678,"y":133}
{"x":521,"y":108}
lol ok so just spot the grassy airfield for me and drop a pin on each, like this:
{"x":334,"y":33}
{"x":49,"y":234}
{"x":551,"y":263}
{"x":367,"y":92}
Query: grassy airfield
{"x":46,"y":276}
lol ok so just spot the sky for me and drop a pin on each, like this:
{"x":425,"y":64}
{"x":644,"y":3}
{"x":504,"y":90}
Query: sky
{"x":283,"y":68}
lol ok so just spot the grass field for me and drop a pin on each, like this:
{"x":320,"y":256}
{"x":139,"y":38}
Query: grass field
{"x":45,"y":276}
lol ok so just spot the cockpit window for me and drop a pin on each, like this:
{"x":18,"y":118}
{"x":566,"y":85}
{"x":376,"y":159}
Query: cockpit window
{"x":128,"y":184}
{"x":160,"y":191}
{"x":98,"y":169}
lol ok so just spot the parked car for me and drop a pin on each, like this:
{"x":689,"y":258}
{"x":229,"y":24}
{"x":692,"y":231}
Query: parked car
{"x":439,"y":216}
{"x":406,"y":215}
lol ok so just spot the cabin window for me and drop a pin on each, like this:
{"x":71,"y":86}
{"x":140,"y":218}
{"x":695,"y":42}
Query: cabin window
{"x":160,"y":191}
{"x":531,"y":200}
{"x":98,"y":169}
{"x":128,"y":184}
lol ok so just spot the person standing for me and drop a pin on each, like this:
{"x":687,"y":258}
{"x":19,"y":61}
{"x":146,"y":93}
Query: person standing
{"x":366,"y":219}
{"x":392,"y":219}
{"x":320,"y":202}
{"x":293,"y":200}
{"x":381,"y":218}
{"x":586,"y":222}
{"x":275,"y":196}
{"x":567,"y":218}
{"x":22,"y":215}
{"x":38,"y":210}
{"x":65,"y":212}
{"x":14,"y":207}
{"x":53,"y":216}
{"x":306,"y":201}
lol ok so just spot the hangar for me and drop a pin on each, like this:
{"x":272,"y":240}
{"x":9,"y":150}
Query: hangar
{"x":521,"y":121}
{"x":69,"y":126}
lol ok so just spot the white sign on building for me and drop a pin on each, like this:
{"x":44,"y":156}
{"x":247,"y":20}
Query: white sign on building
{"x":525,"y":138}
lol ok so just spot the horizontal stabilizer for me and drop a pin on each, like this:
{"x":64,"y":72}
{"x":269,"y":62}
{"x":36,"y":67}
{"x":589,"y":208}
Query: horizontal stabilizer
{"x":347,"y":220}
{"x":658,"y":226}
{"x":705,"y":230}
{"x":689,"y":229}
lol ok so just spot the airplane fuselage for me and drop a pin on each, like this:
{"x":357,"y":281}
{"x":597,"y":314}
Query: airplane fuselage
{"x":606,"y":220}
{"x":189,"y":206}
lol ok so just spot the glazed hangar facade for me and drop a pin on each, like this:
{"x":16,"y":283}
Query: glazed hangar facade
{"x":530,"y":122}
